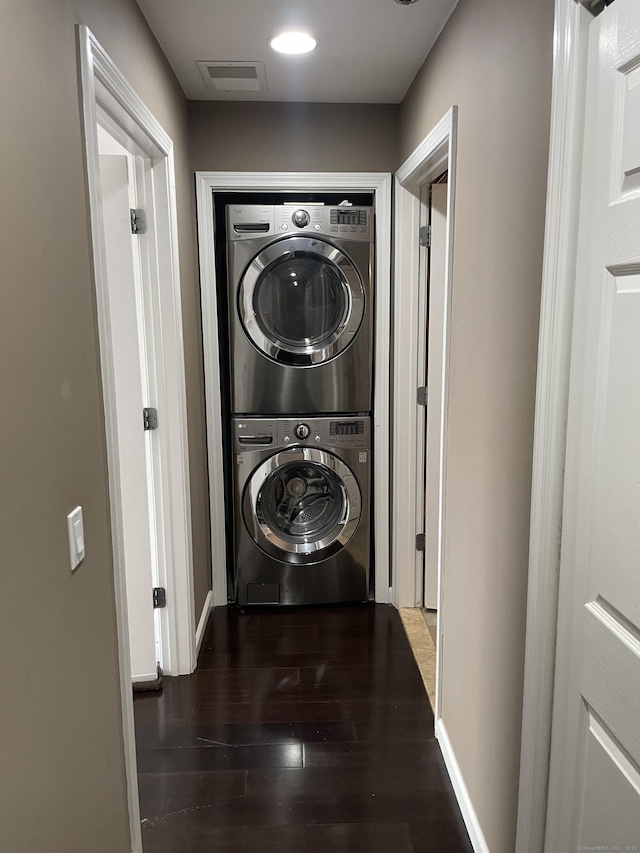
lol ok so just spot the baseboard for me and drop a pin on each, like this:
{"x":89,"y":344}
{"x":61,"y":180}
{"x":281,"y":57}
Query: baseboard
{"x":204,"y":618}
{"x":143,"y":679}
{"x":152,"y":685}
{"x":462,"y":794}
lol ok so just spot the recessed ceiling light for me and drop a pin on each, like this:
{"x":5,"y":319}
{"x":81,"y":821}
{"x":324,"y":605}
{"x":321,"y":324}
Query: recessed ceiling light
{"x":293,"y":42}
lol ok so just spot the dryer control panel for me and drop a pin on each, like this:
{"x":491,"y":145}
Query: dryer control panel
{"x":272,"y":433}
{"x":249,"y":221}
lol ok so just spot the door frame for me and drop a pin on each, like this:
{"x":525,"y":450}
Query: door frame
{"x":435,"y":154}
{"x":378,"y":183}
{"x":104,"y":89}
{"x":554,"y":356}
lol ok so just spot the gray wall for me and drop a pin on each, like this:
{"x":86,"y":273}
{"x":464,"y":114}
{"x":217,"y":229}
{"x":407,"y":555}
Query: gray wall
{"x":290,"y":137}
{"x":62,"y":787}
{"x":494,"y":60}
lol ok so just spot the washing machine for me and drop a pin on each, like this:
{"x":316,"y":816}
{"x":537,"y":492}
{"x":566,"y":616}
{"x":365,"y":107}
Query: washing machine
{"x":300,"y":308}
{"x":301,"y":510}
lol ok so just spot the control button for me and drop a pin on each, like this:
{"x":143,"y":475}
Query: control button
{"x":343,"y":228}
{"x":353,"y":228}
{"x":333,"y":228}
{"x":301,"y":218}
{"x":284,"y":227}
{"x":302,"y":431}
{"x":363,"y":230}
{"x":317,"y":227}
{"x":318,"y":439}
{"x":286,"y":439}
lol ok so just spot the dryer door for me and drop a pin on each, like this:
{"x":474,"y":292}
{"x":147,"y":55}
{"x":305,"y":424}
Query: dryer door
{"x":301,"y":301}
{"x":302,"y":505}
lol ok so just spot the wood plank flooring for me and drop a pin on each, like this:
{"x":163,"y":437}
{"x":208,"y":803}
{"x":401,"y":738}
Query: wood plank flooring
{"x":303,"y":730}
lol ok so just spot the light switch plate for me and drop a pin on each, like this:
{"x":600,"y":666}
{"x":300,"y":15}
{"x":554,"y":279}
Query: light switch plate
{"x":75,"y":529}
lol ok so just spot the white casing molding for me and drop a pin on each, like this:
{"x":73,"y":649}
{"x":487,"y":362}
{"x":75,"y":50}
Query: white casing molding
{"x":379,"y":183}
{"x":204,"y":618}
{"x":435,"y":153}
{"x":558,"y":283}
{"x":469,"y":815}
{"x":106,"y":91}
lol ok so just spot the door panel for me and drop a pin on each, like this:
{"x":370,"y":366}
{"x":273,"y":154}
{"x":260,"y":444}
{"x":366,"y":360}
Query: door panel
{"x":618,"y":401}
{"x":594,"y":786}
{"x":611,"y":681}
{"x":610,"y":822}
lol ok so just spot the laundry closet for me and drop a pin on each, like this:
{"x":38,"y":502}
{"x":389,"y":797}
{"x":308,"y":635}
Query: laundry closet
{"x":295,"y":321}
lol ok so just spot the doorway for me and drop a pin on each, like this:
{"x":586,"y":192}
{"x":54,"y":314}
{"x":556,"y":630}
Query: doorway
{"x":122,"y":182}
{"x":433,"y":262}
{"x":430,"y":354}
{"x":130,"y":164}
{"x":421,"y":338}
{"x":422,"y":308}
{"x":209,"y":186}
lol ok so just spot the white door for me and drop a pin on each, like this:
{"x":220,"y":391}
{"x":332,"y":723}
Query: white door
{"x":594,"y":786}
{"x":435,"y":361}
{"x":131,"y":395}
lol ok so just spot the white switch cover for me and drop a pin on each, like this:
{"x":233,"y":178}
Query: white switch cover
{"x":75,"y":527}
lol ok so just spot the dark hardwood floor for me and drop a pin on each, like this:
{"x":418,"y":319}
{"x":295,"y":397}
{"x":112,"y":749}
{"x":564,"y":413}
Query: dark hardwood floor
{"x":303,"y":730}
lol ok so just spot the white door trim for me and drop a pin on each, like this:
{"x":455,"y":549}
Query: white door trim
{"x":558,"y":283}
{"x":104,"y":88}
{"x":378,"y":183}
{"x":435,"y":153}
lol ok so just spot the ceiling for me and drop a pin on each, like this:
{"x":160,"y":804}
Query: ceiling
{"x":369,"y":51}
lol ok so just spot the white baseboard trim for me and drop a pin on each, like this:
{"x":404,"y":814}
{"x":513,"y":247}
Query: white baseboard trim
{"x":460,"y":789}
{"x":140,"y":679}
{"x":204,"y":618}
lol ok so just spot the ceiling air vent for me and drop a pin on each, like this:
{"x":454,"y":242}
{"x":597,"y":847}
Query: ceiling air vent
{"x":234,"y":76}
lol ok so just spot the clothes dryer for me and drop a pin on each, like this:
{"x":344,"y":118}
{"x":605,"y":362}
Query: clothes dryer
{"x":300,"y":308}
{"x":301,"y":510}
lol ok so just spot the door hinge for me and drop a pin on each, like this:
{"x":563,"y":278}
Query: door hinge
{"x":425,"y":236}
{"x":420,"y":542}
{"x":423,"y":393}
{"x":150,"y":418}
{"x":138,"y":220}
{"x":159,"y":597}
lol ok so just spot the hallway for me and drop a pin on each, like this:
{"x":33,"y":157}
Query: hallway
{"x":303,"y":730}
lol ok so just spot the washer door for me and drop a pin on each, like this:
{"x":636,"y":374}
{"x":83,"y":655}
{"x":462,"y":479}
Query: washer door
{"x":301,"y":301}
{"x":302,"y":505}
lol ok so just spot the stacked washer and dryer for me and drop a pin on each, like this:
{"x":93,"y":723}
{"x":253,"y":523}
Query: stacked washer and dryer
{"x":300,"y":332}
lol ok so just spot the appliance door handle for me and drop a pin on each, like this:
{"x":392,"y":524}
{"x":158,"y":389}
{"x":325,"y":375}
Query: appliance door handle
{"x":255,"y":439}
{"x":251,"y":228}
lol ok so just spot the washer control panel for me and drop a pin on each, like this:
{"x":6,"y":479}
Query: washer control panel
{"x":260,"y":434}
{"x":325,"y":432}
{"x":250,"y":221}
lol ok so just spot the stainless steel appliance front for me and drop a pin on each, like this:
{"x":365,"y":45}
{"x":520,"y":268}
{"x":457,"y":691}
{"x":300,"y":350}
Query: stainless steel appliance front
{"x":301,"y":510}
{"x":300,"y":308}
